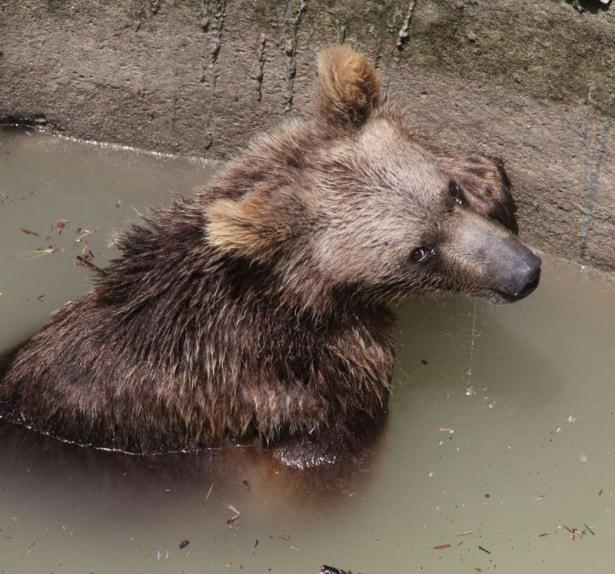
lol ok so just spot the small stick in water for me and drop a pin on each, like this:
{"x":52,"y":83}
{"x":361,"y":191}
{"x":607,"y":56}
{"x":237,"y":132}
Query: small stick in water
{"x":29,"y":231}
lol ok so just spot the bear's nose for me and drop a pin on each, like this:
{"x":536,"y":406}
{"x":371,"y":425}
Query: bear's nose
{"x":526,"y":276}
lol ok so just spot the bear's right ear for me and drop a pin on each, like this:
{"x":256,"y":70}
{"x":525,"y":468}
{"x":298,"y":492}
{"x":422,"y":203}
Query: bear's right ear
{"x":349,"y":86}
{"x":255,"y":226}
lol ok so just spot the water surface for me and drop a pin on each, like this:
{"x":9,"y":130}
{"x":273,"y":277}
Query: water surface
{"x":498,"y":455}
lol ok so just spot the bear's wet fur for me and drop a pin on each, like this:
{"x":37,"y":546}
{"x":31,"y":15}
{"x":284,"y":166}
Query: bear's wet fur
{"x":259,"y":308}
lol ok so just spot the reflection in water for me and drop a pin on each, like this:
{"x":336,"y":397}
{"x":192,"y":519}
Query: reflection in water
{"x":122,"y":478}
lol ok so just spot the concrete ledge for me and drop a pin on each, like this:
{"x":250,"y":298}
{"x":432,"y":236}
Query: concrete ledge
{"x":531,"y":81}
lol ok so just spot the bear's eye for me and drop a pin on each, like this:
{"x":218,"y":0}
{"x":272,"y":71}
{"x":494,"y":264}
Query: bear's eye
{"x":421,"y":254}
{"x":456,"y":193}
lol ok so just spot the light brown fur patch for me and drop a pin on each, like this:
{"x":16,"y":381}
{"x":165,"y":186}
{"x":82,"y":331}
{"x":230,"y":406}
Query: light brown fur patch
{"x":349,"y":85}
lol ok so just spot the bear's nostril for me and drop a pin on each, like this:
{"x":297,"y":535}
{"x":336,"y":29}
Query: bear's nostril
{"x":531,"y":284}
{"x":530,"y":277}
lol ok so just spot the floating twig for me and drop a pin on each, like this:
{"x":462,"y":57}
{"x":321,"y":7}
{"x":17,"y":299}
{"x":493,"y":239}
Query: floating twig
{"x":29,"y":231}
{"x":29,"y":255}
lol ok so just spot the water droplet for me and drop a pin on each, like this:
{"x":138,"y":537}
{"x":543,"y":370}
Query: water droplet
{"x":558,"y":429}
{"x":583,"y":458}
{"x":572,"y":419}
{"x":470,"y":391}
{"x":430,"y":474}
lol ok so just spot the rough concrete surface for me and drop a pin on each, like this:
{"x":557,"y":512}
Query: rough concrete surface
{"x":530,"y":80}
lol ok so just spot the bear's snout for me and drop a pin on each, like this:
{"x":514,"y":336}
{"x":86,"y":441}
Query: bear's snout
{"x":525,"y":276}
{"x":500,"y":266}
{"x":515,"y":269}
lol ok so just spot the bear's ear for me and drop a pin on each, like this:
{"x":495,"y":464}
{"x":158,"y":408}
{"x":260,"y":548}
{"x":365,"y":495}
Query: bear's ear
{"x":254,"y":226}
{"x":486,"y":187}
{"x":349,"y":86}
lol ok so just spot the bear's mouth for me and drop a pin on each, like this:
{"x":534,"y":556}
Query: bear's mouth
{"x":498,"y":297}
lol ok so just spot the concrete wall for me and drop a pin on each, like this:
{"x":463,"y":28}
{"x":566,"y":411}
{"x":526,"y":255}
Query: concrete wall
{"x":530,"y":80}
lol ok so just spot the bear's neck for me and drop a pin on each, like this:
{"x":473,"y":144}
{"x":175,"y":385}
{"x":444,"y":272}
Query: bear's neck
{"x":171,"y":281}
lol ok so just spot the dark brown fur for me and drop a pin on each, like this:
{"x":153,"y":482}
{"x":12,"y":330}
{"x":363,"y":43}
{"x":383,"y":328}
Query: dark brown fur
{"x":259,"y":307}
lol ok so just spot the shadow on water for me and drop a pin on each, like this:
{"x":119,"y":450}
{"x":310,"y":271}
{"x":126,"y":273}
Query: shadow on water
{"x":130,"y":479}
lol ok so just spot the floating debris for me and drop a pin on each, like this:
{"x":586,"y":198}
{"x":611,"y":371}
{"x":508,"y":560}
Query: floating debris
{"x":82,"y":233}
{"x":442,"y":547}
{"x":575,"y":533}
{"x":465,"y":533}
{"x":161,"y":556}
{"x":29,"y":255}
{"x":85,"y":259}
{"x":211,"y":488}
{"x":61,"y":224}
{"x":87,"y":254}
{"x":183,"y":544}
{"x":79,"y":260}
{"x":589,"y":530}
{"x":332,"y":570}
{"x":29,"y":231}
{"x":235,"y":516}
{"x":484,"y":549}
{"x":446,"y":429}
{"x":32,"y":545}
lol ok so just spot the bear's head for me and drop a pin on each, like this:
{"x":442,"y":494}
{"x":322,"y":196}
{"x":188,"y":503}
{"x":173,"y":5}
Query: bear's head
{"x":350,"y":202}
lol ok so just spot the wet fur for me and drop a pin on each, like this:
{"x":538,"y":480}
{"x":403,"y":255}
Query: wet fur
{"x":259,"y":308}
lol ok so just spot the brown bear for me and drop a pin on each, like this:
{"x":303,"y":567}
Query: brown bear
{"x":260,"y":307}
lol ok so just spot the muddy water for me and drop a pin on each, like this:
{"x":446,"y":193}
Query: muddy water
{"x":498,"y":456}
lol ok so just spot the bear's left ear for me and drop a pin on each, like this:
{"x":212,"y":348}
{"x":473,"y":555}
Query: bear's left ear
{"x":255,"y":226}
{"x":349,"y":86}
{"x":486,"y":186}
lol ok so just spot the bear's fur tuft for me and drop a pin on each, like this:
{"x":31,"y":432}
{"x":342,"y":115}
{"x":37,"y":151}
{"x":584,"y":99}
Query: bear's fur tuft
{"x":349,"y":86}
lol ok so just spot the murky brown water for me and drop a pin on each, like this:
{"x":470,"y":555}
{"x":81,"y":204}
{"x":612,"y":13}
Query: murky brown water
{"x":500,"y":441}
